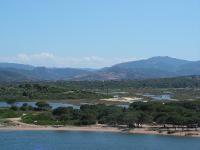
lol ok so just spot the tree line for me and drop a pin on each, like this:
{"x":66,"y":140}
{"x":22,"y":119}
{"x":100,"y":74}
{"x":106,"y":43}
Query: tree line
{"x":182,"y":113}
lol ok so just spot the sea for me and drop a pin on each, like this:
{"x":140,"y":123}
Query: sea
{"x":60,"y":140}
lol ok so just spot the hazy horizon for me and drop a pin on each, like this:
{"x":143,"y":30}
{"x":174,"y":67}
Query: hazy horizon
{"x":91,"y":67}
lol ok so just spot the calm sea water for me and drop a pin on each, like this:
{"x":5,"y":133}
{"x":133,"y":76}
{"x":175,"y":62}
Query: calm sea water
{"x":51,"y":140}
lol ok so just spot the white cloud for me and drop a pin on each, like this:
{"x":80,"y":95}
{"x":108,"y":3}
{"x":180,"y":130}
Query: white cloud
{"x":51,"y":60}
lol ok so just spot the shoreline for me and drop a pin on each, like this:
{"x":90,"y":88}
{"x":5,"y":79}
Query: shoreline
{"x":95,"y":128}
{"x":14,"y":124}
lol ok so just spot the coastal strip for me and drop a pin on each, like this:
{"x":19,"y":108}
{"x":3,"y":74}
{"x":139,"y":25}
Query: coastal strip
{"x":98,"y":128}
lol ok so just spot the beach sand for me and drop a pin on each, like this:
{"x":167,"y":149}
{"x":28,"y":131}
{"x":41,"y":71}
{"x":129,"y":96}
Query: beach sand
{"x":15,"y":125}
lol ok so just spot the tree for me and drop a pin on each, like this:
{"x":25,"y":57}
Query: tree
{"x":130,"y":118}
{"x":24,"y":107}
{"x":142,"y":118}
{"x":87,"y":118}
{"x":63,"y":113}
{"x":15,"y":108}
{"x":43,"y":106}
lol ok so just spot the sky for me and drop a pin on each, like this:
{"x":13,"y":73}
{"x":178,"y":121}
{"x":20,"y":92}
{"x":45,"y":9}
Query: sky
{"x":97,"y":33}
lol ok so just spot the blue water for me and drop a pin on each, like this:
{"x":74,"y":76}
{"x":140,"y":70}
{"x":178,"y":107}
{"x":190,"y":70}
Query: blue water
{"x":164,"y":97}
{"x":53,"y":105}
{"x":50,"y":140}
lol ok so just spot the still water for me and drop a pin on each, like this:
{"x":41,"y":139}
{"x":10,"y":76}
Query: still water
{"x":164,"y":97}
{"x":50,"y":140}
{"x":53,"y":105}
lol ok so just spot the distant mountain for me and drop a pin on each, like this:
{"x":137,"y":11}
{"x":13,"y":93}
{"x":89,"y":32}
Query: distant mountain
{"x":190,"y":68}
{"x":20,"y":72}
{"x":161,"y":63}
{"x":43,"y":73}
{"x":16,"y":66}
{"x":155,"y":67}
{"x":11,"y":76}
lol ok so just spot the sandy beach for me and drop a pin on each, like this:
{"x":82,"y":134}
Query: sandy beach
{"x":14,"y":124}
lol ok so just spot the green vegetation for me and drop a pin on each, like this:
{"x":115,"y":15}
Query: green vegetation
{"x":45,"y":91}
{"x":186,"y":111}
{"x":44,"y":118}
{"x":175,"y":113}
{"x":9,"y":113}
{"x":43,"y":106}
{"x":182,"y":88}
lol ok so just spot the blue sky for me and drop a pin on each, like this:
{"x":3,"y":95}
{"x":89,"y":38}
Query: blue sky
{"x":97,"y":33}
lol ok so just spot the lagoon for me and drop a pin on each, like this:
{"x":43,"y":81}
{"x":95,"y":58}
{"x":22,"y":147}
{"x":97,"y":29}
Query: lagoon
{"x":52,"y":140}
{"x":52,"y":104}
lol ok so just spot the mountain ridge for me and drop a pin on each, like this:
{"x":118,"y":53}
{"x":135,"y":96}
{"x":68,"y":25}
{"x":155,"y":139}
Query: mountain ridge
{"x":155,"y":67}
